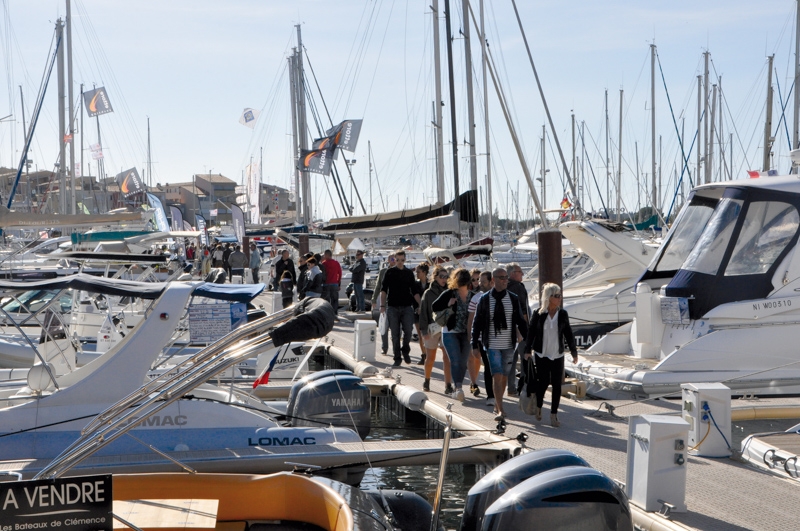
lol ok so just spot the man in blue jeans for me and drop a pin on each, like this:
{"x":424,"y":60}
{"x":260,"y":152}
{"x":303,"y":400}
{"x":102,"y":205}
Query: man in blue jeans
{"x":499,"y":325}
{"x":398,"y":292}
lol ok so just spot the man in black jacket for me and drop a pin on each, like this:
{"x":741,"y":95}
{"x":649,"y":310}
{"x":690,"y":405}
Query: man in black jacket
{"x":398,"y":292}
{"x":516,"y":287}
{"x":358,"y":270}
{"x":285,"y":264}
{"x":499,"y":325}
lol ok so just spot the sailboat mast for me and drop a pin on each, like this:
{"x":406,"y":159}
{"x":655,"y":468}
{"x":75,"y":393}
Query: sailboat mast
{"x":544,"y":169}
{"x":295,"y":144}
{"x":768,"y":123}
{"x":62,"y":128}
{"x":490,"y":207}
{"x":302,"y":125}
{"x":796,"y":119}
{"x":71,"y":109}
{"x":706,"y":139}
{"x":437,"y":75}
{"x":699,"y":124}
{"x":608,"y":162}
{"x":654,"y":197}
{"x":149,"y":159}
{"x":710,"y":161}
{"x":473,"y":156}
{"x":452,"y":100}
{"x":619,"y":165}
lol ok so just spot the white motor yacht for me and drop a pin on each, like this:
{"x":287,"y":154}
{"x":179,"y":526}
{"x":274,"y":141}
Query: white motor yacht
{"x":720,"y":301}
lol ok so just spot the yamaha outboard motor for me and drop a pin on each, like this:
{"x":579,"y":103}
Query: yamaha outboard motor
{"x":305,"y":380}
{"x":563,"y":499}
{"x":338,"y":400}
{"x":505,"y":477}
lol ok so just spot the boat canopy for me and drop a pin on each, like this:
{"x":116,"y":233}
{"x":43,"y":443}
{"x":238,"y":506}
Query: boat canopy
{"x":729,"y":243}
{"x":116,"y":258}
{"x":131,"y":288}
{"x":438,"y":255}
{"x":229,"y":292}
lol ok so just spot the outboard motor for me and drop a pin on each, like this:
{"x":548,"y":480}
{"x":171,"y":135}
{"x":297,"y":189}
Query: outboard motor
{"x":410,"y":510}
{"x":305,"y":380}
{"x":508,"y":475}
{"x":338,"y":400}
{"x":563,"y":499}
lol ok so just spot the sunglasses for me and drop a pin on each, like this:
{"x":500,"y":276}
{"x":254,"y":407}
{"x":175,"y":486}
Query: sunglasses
{"x":443,"y":277}
{"x":499,"y":277}
{"x":557,"y":296}
{"x":476,"y":279}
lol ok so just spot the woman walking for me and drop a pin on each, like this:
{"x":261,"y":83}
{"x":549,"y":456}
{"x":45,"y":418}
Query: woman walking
{"x":432,"y":342}
{"x":548,"y":331}
{"x":455,"y":336}
{"x":422,"y":284}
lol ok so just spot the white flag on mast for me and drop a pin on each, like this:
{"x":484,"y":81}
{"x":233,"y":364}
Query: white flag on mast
{"x":253,"y":174}
{"x":249,"y":117}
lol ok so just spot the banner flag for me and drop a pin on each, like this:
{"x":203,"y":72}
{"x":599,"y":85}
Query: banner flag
{"x":238,"y":222}
{"x":96,"y":102}
{"x":345,"y":135}
{"x":213,"y":212}
{"x":254,"y":193}
{"x":315,"y":161}
{"x":200,"y":221}
{"x":249,"y":117}
{"x":186,"y":226}
{"x":177,"y":218}
{"x":160,"y":216}
{"x":129,"y":182}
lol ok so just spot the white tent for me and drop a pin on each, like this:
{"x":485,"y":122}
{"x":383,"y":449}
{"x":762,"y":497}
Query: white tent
{"x":356,"y":245}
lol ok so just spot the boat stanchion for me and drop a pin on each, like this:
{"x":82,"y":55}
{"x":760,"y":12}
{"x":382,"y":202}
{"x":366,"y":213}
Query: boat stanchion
{"x":437,"y":499}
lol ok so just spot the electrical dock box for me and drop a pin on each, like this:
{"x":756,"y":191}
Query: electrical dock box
{"x":656,"y":475}
{"x":707,"y":409}
{"x":364,"y":345}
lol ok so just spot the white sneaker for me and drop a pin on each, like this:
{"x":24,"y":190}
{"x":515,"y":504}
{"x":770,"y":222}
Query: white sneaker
{"x":459,"y":395}
{"x":490,"y":402}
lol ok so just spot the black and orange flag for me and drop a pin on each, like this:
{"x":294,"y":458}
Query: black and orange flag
{"x":345,"y":135}
{"x":129,"y":182}
{"x":315,"y":160}
{"x":96,"y":102}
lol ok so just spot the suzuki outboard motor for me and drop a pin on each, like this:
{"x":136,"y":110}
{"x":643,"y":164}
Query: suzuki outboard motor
{"x":507,"y":476}
{"x":563,"y":499}
{"x":338,"y":400}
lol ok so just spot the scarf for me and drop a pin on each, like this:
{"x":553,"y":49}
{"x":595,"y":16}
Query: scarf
{"x":499,"y":311}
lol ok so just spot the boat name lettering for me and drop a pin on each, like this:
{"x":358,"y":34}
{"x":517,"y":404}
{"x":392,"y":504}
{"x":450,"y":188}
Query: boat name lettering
{"x":772,"y":305}
{"x":281,"y":441}
{"x":290,"y":360}
{"x":57,"y":495}
{"x":161,"y":420}
{"x":349,"y":402}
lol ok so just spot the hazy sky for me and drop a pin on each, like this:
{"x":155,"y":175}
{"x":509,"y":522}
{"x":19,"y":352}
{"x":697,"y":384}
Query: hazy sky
{"x":193,"y":66}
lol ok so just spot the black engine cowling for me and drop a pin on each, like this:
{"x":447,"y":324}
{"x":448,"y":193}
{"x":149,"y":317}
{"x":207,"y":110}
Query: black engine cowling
{"x":338,"y":399}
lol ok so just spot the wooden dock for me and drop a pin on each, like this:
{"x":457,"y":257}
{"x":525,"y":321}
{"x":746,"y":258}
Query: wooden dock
{"x":723,"y":494}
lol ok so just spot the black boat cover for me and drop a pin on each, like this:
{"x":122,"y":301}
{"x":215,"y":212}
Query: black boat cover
{"x":313,"y":319}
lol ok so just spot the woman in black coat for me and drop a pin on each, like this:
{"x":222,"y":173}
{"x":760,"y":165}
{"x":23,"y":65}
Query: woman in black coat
{"x":548,"y":331}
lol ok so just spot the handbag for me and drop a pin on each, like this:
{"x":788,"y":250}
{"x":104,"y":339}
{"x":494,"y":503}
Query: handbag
{"x":440,"y":318}
{"x":383,"y":324}
{"x":527,"y":394}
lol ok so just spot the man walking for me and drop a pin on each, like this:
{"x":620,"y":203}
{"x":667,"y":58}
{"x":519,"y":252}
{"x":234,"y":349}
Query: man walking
{"x":516,"y":287}
{"x":237,"y":262}
{"x":333,"y":280}
{"x":255,"y":262}
{"x":358,"y":270}
{"x":302,"y":277}
{"x":398,"y":292}
{"x":499,"y":326}
{"x":485,"y":284}
{"x":376,"y":298}
{"x":284,"y":263}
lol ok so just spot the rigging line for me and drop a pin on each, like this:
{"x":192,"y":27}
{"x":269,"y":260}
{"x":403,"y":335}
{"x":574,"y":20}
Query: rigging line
{"x":346,"y":73}
{"x":375,"y":71}
{"x":349,"y":209}
{"x":782,"y":119}
{"x":733,"y":122}
{"x":594,"y":178}
{"x":674,"y":122}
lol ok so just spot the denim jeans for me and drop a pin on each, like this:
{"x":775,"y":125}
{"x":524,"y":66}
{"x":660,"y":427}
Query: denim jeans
{"x":458,"y":349}
{"x":330,"y":292}
{"x":500,"y":361}
{"x":400,"y":317}
{"x":358,"y":289}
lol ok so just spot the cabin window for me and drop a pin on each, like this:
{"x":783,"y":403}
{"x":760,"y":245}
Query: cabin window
{"x":707,"y":254}
{"x":767,"y":229}
{"x":685,"y":236}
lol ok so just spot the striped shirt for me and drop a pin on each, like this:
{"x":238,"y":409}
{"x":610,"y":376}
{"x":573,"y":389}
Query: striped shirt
{"x":506,"y":337}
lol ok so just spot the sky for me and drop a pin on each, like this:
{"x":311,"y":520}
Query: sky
{"x":191,"y":67}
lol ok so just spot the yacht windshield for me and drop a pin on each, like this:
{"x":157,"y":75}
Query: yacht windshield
{"x":767,"y":229}
{"x":707,"y":254}
{"x":685,"y":235}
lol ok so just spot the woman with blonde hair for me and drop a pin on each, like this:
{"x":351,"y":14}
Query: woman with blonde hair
{"x":455,"y":336}
{"x":549,"y":330}
{"x":432,"y":342}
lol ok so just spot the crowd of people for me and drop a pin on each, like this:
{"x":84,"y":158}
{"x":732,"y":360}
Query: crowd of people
{"x":476,"y":318}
